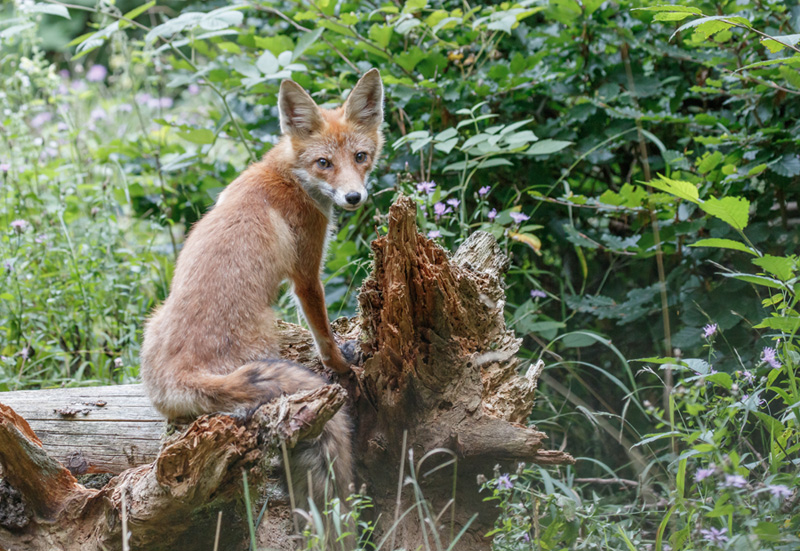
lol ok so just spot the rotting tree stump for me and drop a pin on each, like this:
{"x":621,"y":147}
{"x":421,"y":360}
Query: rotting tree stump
{"x":440,"y":373}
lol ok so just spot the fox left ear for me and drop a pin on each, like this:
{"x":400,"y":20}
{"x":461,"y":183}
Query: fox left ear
{"x":364,"y":105}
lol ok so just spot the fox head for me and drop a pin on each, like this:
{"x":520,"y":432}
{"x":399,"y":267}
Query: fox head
{"x":334,"y":150}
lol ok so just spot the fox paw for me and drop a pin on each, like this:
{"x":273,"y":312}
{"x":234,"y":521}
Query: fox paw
{"x":351,"y":352}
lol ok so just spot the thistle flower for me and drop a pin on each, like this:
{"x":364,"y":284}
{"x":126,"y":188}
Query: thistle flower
{"x":426,"y":187}
{"x":779,"y":490}
{"x":484,"y":191}
{"x":768,"y":356}
{"x":19,"y":225}
{"x":709,"y":330}
{"x":734,"y":481}
{"x":536,"y":293}
{"x":433,"y":234}
{"x":702,"y":474}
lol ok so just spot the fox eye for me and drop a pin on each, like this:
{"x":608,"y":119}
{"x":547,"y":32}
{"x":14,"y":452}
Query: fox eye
{"x":361,"y":157}
{"x":323,"y":163}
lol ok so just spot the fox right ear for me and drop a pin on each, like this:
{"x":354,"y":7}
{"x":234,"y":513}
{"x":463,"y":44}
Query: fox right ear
{"x":299,"y":114}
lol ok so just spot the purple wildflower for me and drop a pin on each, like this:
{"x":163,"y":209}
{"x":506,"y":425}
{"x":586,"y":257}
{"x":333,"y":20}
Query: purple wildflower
{"x":124,"y":107}
{"x":96,"y":73}
{"x":193,"y":89}
{"x":453,"y":203}
{"x":748,"y":377}
{"x":536,"y":293}
{"x":41,"y":238}
{"x":504,"y":483}
{"x":519,"y":217}
{"x":5,"y":167}
{"x":484,"y":190}
{"x":433,"y":234}
{"x":492,"y":214}
{"x":768,"y":356}
{"x":98,"y":113}
{"x":734,"y":481}
{"x":440,"y":209}
{"x":8,"y":265}
{"x":25,"y":353}
{"x":709,"y":330}
{"x":426,"y":187}
{"x":40,"y":119}
{"x":702,"y":474}
{"x":165,"y":103}
{"x":64,"y":73}
{"x":19,"y":225}
{"x":779,"y":490}
{"x":714,"y":535}
{"x":143,"y":98}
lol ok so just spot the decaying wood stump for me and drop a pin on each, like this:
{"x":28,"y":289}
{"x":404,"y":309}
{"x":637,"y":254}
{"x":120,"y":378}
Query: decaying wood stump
{"x":440,"y":373}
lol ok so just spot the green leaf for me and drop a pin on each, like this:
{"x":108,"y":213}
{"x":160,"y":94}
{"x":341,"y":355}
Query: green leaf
{"x":721,"y":379}
{"x":136,"y":12}
{"x":382,"y":34}
{"x":672,"y":16}
{"x":780,"y":266}
{"x":546,"y":147}
{"x":757,"y":280}
{"x":678,"y":188}
{"x":778,"y":43}
{"x":710,"y":28}
{"x":306,"y":41}
{"x":267,"y":63}
{"x":779,"y":323}
{"x":673,"y":9}
{"x":733,"y":210}
{"x":710,"y":162}
{"x":200,"y":136}
{"x":718,"y":243}
{"x":49,"y":9}
{"x":447,"y":145}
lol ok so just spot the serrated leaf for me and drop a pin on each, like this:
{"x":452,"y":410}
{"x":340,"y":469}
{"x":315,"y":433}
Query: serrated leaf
{"x":679,"y":188}
{"x":778,"y":43}
{"x":671,"y":16}
{"x":782,"y":267}
{"x":546,"y":147}
{"x":676,"y":9}
{"x":718,"y":243}
{"x":779,"y":323}
{"x":733,"y":210}
{"x":49,"y":9}
{"x":727,"y":20}
{"x":788,"y":166}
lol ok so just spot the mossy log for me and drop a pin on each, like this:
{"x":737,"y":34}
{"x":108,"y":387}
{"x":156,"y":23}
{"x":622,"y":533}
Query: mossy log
{"x":439,"y":372}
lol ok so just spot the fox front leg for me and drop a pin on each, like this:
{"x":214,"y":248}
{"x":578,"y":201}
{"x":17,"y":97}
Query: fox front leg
{"x":312,"y":300}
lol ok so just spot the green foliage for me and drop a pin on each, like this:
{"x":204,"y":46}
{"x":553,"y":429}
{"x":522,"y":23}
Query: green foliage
{"x":639,"y":163}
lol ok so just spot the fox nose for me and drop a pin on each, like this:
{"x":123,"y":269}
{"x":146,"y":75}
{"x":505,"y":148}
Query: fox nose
{"x":353,"y":197}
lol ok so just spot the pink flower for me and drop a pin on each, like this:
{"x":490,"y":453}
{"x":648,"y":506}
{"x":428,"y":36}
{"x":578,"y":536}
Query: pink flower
{"x":193,"y":89}
{"x":19,"y":225}
{"x":453,"y":203}
{"x":440,"y":209}
{"x":714,"y":535}
{"x":734,"y":481}
{"x":40,"y":119}
{"x":709,"y":330}
{"x":702,"y":474}
{"x":484,"y":190}
{"x":426,"y":187}
{"x":492,"y":214}
{"x":504,"y":482}
{"x":519,"y":217}
{"x":768,"y":356}
{"x":433,"y":234}
{"x":5,"y":167}
{"x":96,"y":73}
{"x":779,"y":490}
{"x":536,"y":293}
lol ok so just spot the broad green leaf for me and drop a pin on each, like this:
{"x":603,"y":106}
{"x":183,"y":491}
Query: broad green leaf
{"x":546,"y":147}
{"x":710,"y":162}
{"x":779,"y":323}
{"x":679,"y":188}
{"x":733,"y":210}
{"x":199,"y":136}
{"x":780,"y":266}
{"x":136,"y":12}
{"x":306,"y":41}
{"x":381,"y":34}
{"x":726,"y":21}
{"x":718,"y":243}
{"x":672,"y":16}
{"x":778,"y":43}
{"x":446,"y":134}
{"x":757,"y":280}
{"x":446,"y":146}
{"x":721,"y":379}
{"x":49,"y":9}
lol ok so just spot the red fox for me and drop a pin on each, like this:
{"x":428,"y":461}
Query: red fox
{"x":204,"y":348}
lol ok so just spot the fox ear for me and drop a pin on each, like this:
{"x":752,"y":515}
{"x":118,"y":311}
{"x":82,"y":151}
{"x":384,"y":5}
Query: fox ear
{"x":299,"y":114}
{"x":364,"y":105}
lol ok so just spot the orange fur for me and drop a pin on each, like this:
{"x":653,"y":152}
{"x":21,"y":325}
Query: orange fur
{"x":203,"y":348}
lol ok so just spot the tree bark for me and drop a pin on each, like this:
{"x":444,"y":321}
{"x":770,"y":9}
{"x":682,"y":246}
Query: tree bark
{"x":440,"y":386}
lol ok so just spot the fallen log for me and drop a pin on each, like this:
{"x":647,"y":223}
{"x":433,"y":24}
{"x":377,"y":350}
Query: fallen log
{"x":440,"y":372}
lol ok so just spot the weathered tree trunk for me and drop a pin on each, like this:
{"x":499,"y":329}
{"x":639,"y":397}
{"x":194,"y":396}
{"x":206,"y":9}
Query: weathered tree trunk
{"x":441,"y":373}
